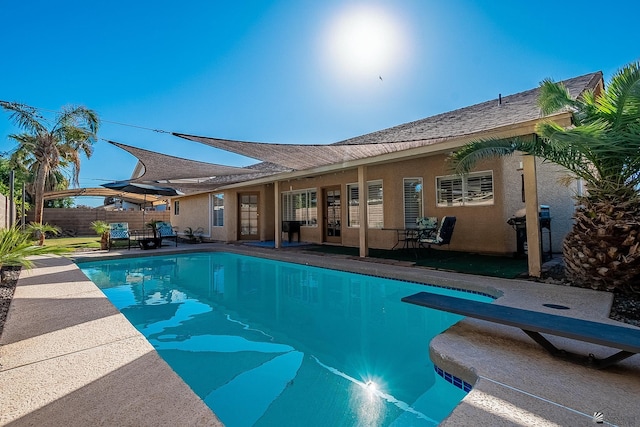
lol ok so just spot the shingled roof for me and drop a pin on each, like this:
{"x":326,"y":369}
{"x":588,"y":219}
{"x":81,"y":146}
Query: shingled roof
{"x":496,"y":113}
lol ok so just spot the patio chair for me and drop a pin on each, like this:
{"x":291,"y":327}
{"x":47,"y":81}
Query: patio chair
{"x":167,"y":231}
{"x":442,"y":236}
{"x":119,"y":231}
{"x":427,"y":227}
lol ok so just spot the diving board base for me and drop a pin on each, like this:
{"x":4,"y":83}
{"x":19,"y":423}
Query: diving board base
{"x":533,"y":323}
{"x":589,"y":360}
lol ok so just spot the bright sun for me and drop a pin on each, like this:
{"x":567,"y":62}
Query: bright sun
{"x":365,"y":41}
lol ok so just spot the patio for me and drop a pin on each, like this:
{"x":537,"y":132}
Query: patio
{"x":460,"y":262}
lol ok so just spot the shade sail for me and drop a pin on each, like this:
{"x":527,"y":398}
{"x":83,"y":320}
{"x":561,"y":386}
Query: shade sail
{"x":303,"y":156}
{"x":164,"y":167}
{"x":469,"y":122}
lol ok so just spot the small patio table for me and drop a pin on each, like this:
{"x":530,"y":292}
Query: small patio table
{"x":146,"y":239}
{"x":408,"y":237}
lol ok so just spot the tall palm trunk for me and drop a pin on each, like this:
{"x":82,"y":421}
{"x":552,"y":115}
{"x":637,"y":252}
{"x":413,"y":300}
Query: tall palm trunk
{"x":39,"y":185}
{"x":602,"y":250}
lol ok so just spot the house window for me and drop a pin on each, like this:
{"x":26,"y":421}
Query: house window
{"x":301,"y":205}
{"x":353,"y":199}
{"x":218,"y":210}
{"x":412,"y":188}
{"x":375,"y":205}
{"x":176,"y":207}
{"x":473,"y":189}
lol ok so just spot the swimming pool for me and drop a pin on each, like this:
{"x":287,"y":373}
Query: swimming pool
{"x":269,"y":343}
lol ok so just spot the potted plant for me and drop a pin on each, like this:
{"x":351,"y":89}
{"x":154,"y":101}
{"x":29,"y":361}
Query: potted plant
{"x":153,"y":225}
{"x":193,"y":236}
{"x":102,"y":229}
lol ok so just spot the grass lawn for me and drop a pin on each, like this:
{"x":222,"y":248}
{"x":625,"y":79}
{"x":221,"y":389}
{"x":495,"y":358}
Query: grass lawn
{"x":75,"y":243}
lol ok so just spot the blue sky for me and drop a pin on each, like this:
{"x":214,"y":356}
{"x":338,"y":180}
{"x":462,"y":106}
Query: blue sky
{"x":288,"y":71}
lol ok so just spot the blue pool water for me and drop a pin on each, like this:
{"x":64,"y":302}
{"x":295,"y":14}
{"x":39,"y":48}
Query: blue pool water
{"x":269,"y":343}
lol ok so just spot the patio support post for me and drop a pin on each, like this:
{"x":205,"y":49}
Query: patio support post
{"x":277,"y":214}
{"x":362,"y":203}
{"x":534,"y":256}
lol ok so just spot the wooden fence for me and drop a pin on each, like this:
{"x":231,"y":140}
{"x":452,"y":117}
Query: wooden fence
{"x":77,"y":221}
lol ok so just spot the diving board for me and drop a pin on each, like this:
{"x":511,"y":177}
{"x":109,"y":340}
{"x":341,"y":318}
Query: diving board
{"x":534,"y":323}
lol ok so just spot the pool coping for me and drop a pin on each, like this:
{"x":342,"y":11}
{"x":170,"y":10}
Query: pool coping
{"x":69,"y":357}
{"x":502,"y":394}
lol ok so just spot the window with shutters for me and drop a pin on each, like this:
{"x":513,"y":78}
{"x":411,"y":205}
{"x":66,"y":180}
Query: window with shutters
{"x":217,"y":219}
{"x":300,"y":205}
{"x":473,"y":189}
{"x":353,"y":200}
{"x":412,"y":189}
{"x":375,"y":205}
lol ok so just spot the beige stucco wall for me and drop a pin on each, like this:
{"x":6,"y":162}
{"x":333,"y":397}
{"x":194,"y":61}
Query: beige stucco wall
{"x":551,"y":191}
{"x":478,"y":229}
{"x":194,"y":213}
{"x":476,"y":226}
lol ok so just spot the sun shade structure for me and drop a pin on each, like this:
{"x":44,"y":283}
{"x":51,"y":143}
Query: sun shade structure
{"x":142,"y":188}
{"x":303,"y":156}
{"x":101,"y":192}
{"x":498,"y":116}
{"x":164,"y":167}
{"x":500,"y":113}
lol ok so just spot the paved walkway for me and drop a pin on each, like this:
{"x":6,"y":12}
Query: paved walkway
{"x":69,"y":358}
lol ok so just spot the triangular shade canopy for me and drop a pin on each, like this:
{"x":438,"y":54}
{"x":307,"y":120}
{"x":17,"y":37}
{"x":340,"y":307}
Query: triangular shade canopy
{"x":164,"y":167}
{"x":303,"y":156}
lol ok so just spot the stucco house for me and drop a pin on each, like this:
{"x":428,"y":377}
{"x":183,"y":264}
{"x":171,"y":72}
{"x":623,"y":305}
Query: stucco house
{"x":356,"y":192}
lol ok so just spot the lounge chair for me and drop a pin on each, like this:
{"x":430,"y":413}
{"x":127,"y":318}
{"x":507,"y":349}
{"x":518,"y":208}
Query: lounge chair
{"x":441,"y":237}
{"x":119,"y":231}
{"x":166,"y":231}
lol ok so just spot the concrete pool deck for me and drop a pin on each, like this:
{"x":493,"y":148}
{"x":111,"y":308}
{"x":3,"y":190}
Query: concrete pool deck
{"x":68,"y":357}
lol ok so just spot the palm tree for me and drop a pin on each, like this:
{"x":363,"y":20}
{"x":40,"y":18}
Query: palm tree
{"x":46,"y":151}
{"x":602,"y":147}
{"x":17,"y":248}
{"x":102,"y":229}
{"x":39,"y":231}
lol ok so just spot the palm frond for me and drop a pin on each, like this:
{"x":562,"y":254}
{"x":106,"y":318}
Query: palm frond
{"x":620,"y":103}
{"x":16,"y":247}
{"x":554,"y":97}
{"x":25,"y":117}
{"x":464,"y":159}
